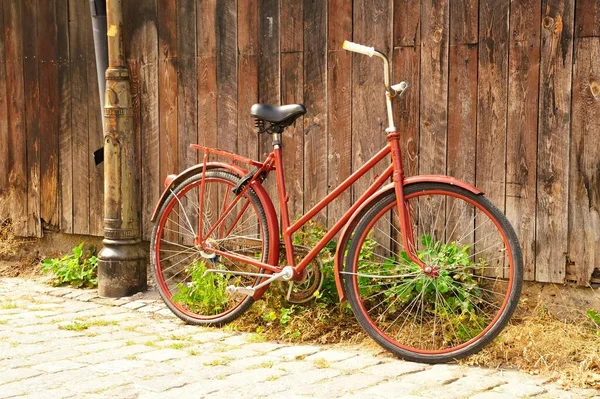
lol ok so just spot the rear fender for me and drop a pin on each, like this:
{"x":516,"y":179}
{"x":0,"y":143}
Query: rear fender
{"x":346,"y":234}
{"x":173,"y":181}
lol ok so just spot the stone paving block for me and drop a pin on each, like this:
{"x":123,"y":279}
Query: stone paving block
{"x":162,"y":384}
{"x":238,"y":339}
{"x":264,"y":347}
{"x":263,"y":361}
{"x":55,"y":354}
{"x":463,"y":387}
{"x":162,"y":355}
{"x":519,"y":390}
{"x":358,"y":362}
{"x":300,"y":366}
{"x":134,"y":305}
{"x":109,"y":354}
{"x":240,"y":353}
{"x":60,"y":365}
{"x":119,"y":366}
{"x":310,"y":376}
{"x":331,"y":355}
{"x":166,"y":313}
{"x":339,"y":385}
{"x":9,"y":392}
{"x":209,"y":336}
{"x":394,"y":368}
{"x":390,"y":389}
{"x":439,"y":374}
{"x":295,"y":352}
{"x":491,"y":395}
{"x":17,"y":374}
{"x":59,"y":393}
{"x":150,"y":309}
{"x":100,"y":345}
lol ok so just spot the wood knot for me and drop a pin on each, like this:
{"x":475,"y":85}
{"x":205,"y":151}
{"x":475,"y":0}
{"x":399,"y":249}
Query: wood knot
{"x":595,"y":89}
{"x":548,"y":22}
{"x":437,"y":35}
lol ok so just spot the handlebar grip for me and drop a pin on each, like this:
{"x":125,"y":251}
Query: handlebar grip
{"x":358,"y":48}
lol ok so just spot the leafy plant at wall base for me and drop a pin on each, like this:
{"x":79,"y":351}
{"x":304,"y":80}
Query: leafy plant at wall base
{"x":595,"y":318}
{"x":204,"y":293}
{"x":78,"y":269}
{"x":455,"y":283}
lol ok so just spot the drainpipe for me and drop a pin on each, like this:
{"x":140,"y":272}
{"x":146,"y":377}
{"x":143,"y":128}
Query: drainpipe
{"x":121,"y":262}
{"x":98,"y":11}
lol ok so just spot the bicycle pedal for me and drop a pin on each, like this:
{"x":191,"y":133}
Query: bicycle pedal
{"x":233,"y":290}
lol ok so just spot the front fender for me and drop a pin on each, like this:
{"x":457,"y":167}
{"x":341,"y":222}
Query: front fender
{"x":272,"y":222}
{"x":346,"y":234}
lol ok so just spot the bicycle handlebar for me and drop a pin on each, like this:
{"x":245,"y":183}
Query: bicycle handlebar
{"x":393,"y":91}
{"x":358,"y":48}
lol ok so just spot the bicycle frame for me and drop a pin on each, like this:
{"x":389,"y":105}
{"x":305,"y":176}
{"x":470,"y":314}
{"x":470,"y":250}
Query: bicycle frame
{"x":274,"y":162}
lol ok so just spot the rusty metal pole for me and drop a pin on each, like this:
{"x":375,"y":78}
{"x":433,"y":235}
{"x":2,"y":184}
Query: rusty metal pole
{"x":122,"y":262}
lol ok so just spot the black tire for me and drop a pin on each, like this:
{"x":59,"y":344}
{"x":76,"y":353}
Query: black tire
{"x":466,"y":300}
{"x":166,"y":253}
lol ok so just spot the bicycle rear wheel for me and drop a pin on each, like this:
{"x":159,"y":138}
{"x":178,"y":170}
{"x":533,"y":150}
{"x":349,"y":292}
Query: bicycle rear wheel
{"x":468,"y":296}
{"x":180,"y":266}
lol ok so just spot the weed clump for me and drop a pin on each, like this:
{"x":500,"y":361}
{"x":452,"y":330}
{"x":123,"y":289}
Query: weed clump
{"x":79,"y":269}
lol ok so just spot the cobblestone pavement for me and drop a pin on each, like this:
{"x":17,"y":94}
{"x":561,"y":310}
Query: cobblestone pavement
{"x":61,"y":343}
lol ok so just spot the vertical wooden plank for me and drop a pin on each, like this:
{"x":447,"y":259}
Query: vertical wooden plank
{"x":247,"y":76}
{"x":17,"y":148}
{"x":491,"y":119}
{"x":143,"y":58}
{"x":268,"y":65}
{"x":462,"y":111}
{"x":464,"y":16}
{"x":269,"y":73}
{"x":339,"y":103}
{"x":49,"y":120}
{"x":553,"y":140}
{"x":406,"y":67}
{"x":292,"y":91}
{"x":4,"y":165}
{"x":226,"y":23}
{"x":315,"y":100}
{"x":406,"y":32}
{"x":587,"y":21}
{"x":406,"y":109}
{"x":187,"y":84}
{"x":492,"y":96}
{"x":207,"y":73}
{"x":584,"y":196}
{"x":63,"y":95}
{"x":80,"y":33}
{"x":167,"y":86}
{"x":32,"y":114}
{"x":521,"y":140}
{"x":95,"y":141}
{"x":462,"y":89}
{"x":372,"y":21}
{"x":434,"y":94}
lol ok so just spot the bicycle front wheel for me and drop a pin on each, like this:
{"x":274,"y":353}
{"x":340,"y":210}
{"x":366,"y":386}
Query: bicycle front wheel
{"x":193,"y":280}
{"x":462,"y":301}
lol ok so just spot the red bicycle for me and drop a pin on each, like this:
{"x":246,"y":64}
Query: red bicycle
{"x":432,"y":269}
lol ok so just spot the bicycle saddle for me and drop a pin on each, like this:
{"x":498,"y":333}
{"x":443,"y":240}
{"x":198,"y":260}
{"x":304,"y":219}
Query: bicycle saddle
{"x":284,"y":115}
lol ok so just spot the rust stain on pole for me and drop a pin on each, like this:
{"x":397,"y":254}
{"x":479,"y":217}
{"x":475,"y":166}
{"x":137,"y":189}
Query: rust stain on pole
{"x":122,"y":263}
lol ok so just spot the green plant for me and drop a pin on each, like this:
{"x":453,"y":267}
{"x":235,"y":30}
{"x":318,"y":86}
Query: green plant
{"x":78,"y":269}
{"x":595,"y":318}
{"x":205,"y":293}
{"x":454,"y":284}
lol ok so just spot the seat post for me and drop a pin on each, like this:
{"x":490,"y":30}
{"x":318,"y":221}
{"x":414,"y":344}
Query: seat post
{"x":277,"y":140}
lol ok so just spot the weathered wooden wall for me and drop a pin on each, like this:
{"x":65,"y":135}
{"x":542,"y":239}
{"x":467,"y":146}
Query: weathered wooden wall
{"x":505,"y":94}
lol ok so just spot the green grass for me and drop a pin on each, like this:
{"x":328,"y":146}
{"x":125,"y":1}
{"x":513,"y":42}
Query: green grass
{"x":321,"y":364}
{"x":219,"y":362}
{"x":8,"y":305}
{"x":80,"y":325}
